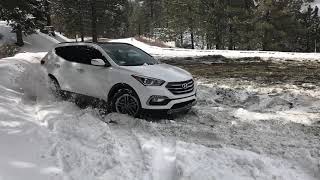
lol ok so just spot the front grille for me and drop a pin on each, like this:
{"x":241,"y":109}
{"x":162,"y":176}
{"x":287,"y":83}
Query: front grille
{"x":183,"y":87}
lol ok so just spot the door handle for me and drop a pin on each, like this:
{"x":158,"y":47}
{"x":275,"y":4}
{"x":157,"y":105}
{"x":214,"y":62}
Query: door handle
{"x":80,"y":70}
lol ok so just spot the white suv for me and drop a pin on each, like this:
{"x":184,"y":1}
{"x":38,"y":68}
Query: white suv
{"x":127,"y":78}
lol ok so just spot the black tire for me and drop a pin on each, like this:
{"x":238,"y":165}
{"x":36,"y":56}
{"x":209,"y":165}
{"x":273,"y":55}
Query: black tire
{"x":118,"y":103}
{"x":54,"y":87}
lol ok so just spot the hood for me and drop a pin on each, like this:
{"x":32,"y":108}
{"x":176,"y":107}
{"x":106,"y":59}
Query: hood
{"x":165,"y":72}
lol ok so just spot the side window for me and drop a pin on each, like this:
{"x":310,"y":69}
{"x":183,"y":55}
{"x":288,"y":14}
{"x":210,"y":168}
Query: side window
{"x":93,"y":53}
{"x":79,"y":54}
{"x":69,"y":53}
{"x":63,"y":52}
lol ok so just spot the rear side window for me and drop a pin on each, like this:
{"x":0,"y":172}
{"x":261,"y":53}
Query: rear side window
{"x":79,"y":54}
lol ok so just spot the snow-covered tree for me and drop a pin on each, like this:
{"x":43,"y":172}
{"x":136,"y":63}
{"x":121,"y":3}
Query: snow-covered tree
{"x":24,"y":16}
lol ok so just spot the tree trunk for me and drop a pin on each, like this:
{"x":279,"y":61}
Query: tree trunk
{"x":265,"y":44}
{"x":139,"y":29}
{"x":308,"y":41}
{"x":19,"y":35}
{"x":230,"y":45}
{"x":218,"y":38}
{"x":94,"y":21}
{"x":181,"y":39}
{"x":48,"y":15}
{"x":218,"y":42}
{"x":151,"y":23}
{"x":192,"y":39}
{"x":81,"y":28}
{"x":82,"y":37}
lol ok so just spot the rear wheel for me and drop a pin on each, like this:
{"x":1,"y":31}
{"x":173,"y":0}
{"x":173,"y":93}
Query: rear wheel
{"x":126,"y":101}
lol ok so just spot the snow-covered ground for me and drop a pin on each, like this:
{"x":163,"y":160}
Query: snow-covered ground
{"x":238,"y":130}
{"x":315,"y":3}
{"x":242,"y":133}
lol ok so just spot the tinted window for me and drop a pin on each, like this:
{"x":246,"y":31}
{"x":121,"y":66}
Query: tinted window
{"x":127,"y":55}
{"x":79,"y":54}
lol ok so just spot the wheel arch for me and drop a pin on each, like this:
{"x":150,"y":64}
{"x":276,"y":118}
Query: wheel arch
{"x":54,"y":78}
{"x":115,"y":88}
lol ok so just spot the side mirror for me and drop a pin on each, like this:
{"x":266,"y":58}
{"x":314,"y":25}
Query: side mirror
{"x":98,"y":62}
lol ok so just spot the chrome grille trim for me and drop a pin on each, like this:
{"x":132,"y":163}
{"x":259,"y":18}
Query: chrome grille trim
{"x":179,"y":88}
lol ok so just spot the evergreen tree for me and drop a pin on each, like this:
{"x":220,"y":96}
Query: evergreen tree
{"x":91,"y":17}
{"x":277,"y":24}
{"x":184,"y":15}
{"x":24,"y":16}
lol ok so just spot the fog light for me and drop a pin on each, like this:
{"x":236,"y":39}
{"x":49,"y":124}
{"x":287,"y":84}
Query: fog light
{"x":158,"y":100}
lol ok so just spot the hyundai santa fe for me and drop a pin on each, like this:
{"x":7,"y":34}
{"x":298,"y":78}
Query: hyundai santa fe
{"x":130,"y":80}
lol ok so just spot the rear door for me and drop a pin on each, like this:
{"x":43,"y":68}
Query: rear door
{"x":89,"y":79}
{"x":79,"y":75}
{"x":65,"y":67}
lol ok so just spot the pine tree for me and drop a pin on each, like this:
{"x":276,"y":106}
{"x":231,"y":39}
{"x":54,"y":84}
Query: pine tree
{"x":24,"y":16}
{"x":91,"y":17}
{"x":182,"y":16}
{"x":276,"y":24}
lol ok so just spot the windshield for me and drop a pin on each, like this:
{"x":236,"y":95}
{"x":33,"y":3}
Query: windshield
{"x":127,"y":55}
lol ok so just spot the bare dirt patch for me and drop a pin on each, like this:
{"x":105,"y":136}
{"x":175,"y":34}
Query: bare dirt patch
{"x":300,"y":73}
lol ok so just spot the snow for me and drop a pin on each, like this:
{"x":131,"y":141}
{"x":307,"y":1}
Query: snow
{"x":294,"y":116}
{"x":43,"y":138}
{"x":285,"y":104}
{"x":238,"y":130}
{"x":315,"y":3}
{"x":177,"y":52}
{"x":61,"y":38}
{"x":5,"y":30}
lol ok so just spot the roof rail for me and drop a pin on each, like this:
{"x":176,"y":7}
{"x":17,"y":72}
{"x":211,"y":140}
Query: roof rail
{"x":96,"y":42}
{"x":72,"y":42}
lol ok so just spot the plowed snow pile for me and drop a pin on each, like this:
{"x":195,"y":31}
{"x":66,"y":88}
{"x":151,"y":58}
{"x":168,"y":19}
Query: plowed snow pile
{"x":235,"y":132}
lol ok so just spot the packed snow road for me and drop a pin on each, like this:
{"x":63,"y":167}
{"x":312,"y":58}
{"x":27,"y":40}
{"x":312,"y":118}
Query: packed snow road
{"x":240,"y":129}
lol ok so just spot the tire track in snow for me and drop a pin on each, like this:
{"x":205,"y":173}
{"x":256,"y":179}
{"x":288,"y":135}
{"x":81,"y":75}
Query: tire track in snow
{"x":155,"y":153}
{"x":82,"y":144}
{"x":130,"y":154}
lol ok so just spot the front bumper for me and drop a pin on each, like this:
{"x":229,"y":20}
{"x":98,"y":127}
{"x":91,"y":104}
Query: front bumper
{"x":145,"y":93}
{"x":178,"y":108}
{"x":181,"y":107}
{"x":173,"y":103}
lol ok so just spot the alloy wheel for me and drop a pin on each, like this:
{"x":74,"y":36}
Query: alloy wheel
{"x":127,"y":104}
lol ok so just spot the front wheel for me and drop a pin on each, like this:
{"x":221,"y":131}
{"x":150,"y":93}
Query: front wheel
{"x":126,"y":101}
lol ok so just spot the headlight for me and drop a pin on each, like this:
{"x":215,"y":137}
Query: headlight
{"x":146,"y":81}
